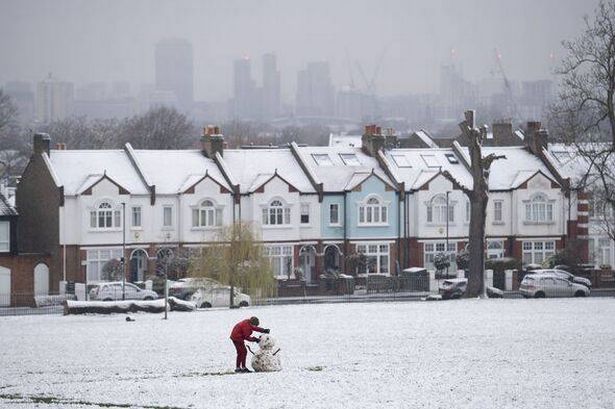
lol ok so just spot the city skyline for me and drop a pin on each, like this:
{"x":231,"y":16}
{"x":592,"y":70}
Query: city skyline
{"x":408,"y":40}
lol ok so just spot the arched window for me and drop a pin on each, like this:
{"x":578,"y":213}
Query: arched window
{"x":373,"y":211}
{"x":276,"y":213}
{"x":437,"y":209}
{"x":207,"y":214}
{"x":105,"y":217}
{"x":539,"y":210}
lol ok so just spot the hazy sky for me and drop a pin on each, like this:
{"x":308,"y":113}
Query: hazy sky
{"x":103,"y":40}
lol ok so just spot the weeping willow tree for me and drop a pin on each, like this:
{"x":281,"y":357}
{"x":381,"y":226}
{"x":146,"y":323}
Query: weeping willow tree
{"x":237,"y":259}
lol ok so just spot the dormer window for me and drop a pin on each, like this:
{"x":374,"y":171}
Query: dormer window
{"x":105,"y":217}
{"x":276,"y":214}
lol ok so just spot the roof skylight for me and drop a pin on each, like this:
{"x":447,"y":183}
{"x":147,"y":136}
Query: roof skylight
{"x":350,"y":159}
{"x":322,"y":159}
{"x":401,"y":161}
{"x":431,"y":161}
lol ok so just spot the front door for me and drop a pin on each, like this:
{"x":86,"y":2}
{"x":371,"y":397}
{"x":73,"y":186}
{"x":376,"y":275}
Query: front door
{"x":41,"y":279}
{"x":308,"y":262}
{"x":5,"y":287}
{"x":138,"y":265}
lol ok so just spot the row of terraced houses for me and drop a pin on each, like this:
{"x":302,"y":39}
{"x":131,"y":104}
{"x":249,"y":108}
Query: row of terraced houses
{"x":313,"y":205}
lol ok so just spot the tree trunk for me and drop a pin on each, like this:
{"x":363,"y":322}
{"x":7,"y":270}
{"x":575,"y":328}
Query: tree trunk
{"x":476,"y":265}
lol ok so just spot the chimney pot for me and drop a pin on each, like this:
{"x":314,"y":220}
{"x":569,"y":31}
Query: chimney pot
{"x":40,"y":143}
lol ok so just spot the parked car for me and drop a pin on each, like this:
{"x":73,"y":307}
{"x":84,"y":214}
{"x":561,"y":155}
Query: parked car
{"x":185,"y":287}
{"x":112,"y":291}
{"x":550,"y":285}
{"x":566,"y":275}
{"x":453,"y":288}
{"x":219,"y":297}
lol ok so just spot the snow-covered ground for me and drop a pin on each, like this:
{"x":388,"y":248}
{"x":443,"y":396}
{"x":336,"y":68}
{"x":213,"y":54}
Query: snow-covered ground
{"x":510,"y":353}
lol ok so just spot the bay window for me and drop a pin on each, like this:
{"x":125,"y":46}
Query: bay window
{"x":276,"y":214}
{"x":373,"y":211}
{"x":377,"y":257}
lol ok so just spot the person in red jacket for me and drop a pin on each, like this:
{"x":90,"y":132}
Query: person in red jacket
{"x":242,"y":331}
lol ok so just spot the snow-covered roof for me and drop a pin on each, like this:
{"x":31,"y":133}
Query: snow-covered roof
{"x":171,"y":171}
{"x":568,"y":161}
{"x":415,"y":167}
{"x":74,"y":168}
{"x":518,"y":166}
{"x":5,"y":208}
{"x":250,"y":168}
{"x":426,"y":138}
{"x":337,"y":166}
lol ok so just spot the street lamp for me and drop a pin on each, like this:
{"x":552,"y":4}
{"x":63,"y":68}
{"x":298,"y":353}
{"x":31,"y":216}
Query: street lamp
{"x":123,"y":259}
{"x":447,"y":218}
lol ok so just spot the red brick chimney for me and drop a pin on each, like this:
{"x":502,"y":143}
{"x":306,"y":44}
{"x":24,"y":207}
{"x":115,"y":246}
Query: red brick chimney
{"x":212,"y":141}
{"x":372,"y":140}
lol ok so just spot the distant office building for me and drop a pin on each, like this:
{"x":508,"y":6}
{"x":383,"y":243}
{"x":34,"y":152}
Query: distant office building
{"x":271,"y":87}
{"x":536,"y":96}
{"x":315,"y":93}
{"x":455,"y":92}
{"x":244,"y":90}
{"x":174,"y":70}
{"x":22,"y":97}
{"x":54,"y":99}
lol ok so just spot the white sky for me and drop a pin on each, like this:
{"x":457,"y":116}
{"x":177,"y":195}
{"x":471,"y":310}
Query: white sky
{"x":94,"y":40}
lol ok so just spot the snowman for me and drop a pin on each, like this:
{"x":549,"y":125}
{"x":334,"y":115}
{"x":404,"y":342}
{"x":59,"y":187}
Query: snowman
{"x":267,"y":358}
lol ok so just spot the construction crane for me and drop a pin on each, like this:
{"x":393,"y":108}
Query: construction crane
{"x":507,"y":85}
{"x":370,"y":84}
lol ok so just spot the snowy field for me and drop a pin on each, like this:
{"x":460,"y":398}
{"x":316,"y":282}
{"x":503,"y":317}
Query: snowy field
{"x":511,"y":353}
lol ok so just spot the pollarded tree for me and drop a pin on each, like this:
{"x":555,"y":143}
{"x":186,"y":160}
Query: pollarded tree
{"x":236,"y":258}
{"x":479,"y":198}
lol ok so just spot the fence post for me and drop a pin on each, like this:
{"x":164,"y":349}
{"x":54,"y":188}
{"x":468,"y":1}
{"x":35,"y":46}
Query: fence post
{"x":508,"y":279}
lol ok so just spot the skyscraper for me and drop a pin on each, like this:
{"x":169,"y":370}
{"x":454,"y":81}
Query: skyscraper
{"x":174,"y":70}
{"x":315,"y":94}
{"x":54,"y":99}
{"x":271,"y":87}
{"x":244,"y":104}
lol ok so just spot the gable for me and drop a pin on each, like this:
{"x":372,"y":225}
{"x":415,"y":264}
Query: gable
{"x":274,"y":182}
{"x":102,"y":185}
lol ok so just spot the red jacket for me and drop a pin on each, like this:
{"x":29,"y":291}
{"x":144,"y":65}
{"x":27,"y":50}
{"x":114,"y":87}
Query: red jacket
{"x":242,"y":331}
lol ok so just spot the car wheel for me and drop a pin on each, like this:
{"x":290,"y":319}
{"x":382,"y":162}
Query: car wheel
{"x":243,"y":304}
{"x":206,"y":305}
{"x":148,"y":298}
{"x":579,"y":294}
{"x":539,"y":294}
{"x":107,"y":299}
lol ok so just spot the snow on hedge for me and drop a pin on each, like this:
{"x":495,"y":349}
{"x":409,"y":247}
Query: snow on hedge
{"x":125,"y":306}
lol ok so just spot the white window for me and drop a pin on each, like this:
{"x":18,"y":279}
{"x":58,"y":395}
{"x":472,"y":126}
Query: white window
{"x":207,"y":214}
{"x":281,"y":259}
{"x":497,"y":211}
{"x":377,"y":257}
{"x":276,"y":214}
{"x":305,"y":213}
{"x":495,"y":249}
{"x":431,"y":161}
{"x":5,"y":236}
{"x":373,"y":211}
{"x":136,"y":216}
{"x":601,"y":250}
{"x":167,"y":216}
{"x":433,"y":248}
{"x":96,"y":259}
{"x":535,"y":252}
{"x":350,"y":159}
{"x":322,"y":159}
{"x":539,"y":210}
{"x":334,"y":214}
{"x":105,"y":217}
{"x":437,"y":210}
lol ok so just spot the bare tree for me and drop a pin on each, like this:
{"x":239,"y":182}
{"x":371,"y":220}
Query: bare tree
{"x":479,"y":198}
{"x":8,"y":112}
{"x":584,"y":116}
{"x":159,"y":128}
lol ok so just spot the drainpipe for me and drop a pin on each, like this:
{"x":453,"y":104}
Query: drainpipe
{"x":399,"y":232}
{"x":345,"y":231}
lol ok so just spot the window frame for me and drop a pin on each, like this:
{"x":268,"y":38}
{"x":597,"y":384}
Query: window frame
{"x":498,"y":214}
{"x":537,"y":250}
{"x":276,"y":215}
{"x":436,"y":206}
{"x":169,"y":208}
{"x":380,"y":256}
{"x":5,"y":246}
{"x":208,"y":216}
{"x":373,"y":211}
{"x":337,"y":214}
{"x":281,"y":258}
{"x":138,"y":214}
{"x":429,"y":254}
{"x":106,"y":212}
{"x":304,"y":211}
{"x":539,"y":210}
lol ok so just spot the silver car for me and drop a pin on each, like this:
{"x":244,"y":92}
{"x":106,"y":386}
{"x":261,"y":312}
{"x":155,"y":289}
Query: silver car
{"x":112,"y":291}
{"x":550,"y":285}
{"x":219,"y":297}
{"x":566,"y":275}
